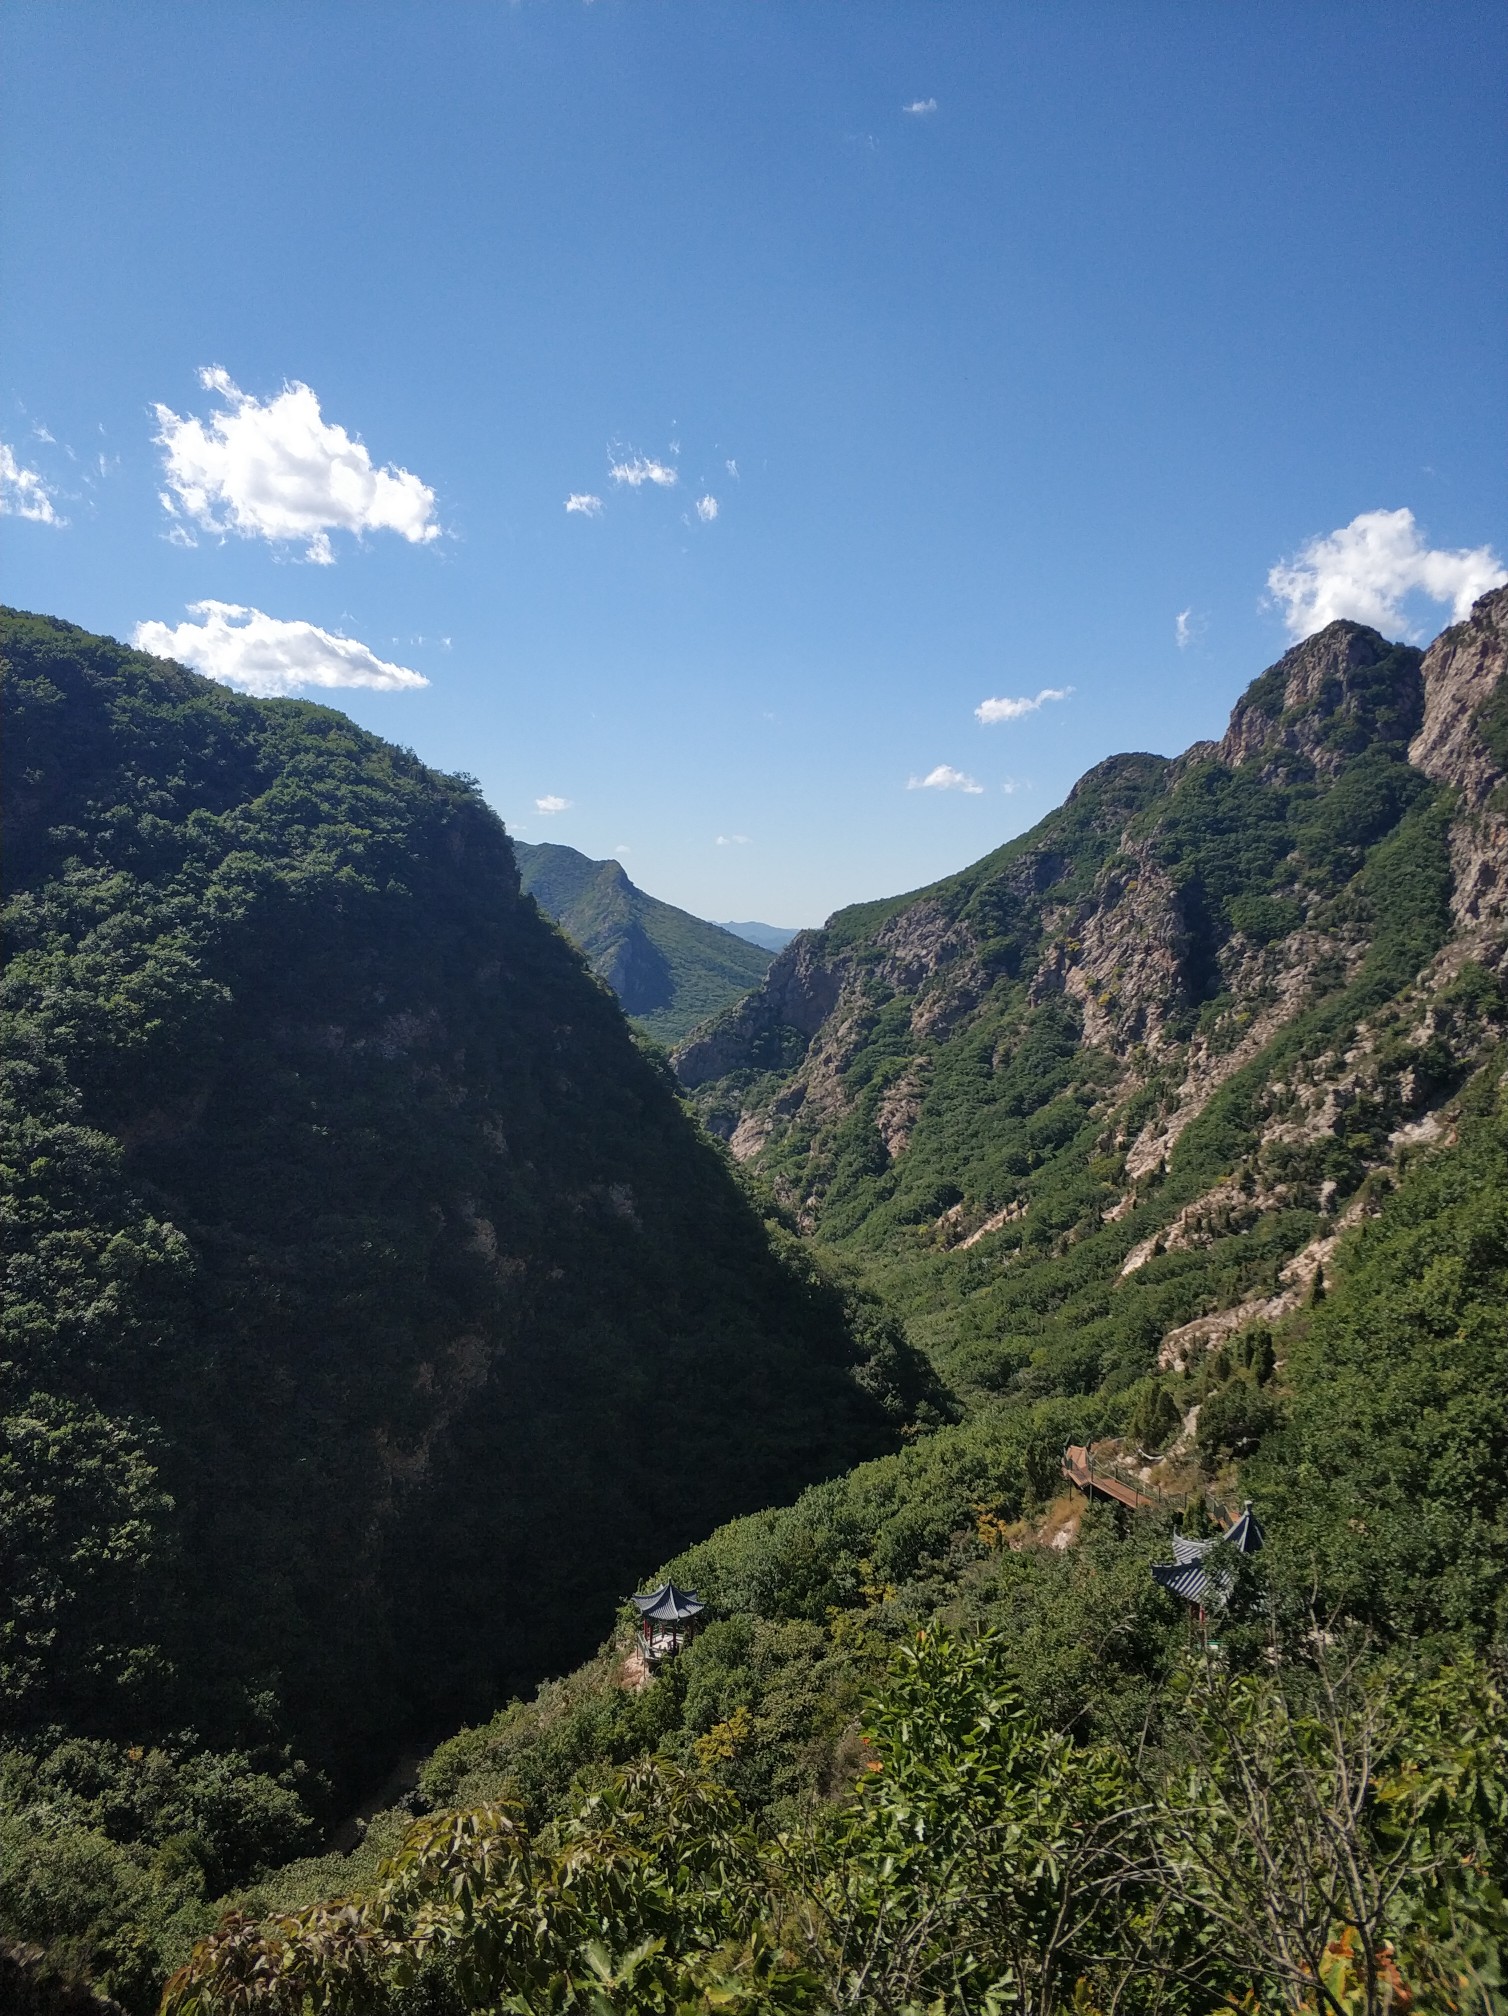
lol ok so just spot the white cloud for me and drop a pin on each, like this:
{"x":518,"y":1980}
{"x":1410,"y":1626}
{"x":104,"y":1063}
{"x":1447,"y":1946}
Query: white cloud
{"x":989,"y":711}
{"x":623,"y":848}
{"x":945,"y":778}
{"x":584,"y":502}
{"x":1011,"y":785}
{"x":1365,"y":570}
{"x":277,"y":470}
{"x":1183,"y":629}
{"x":635,"y":470}
{"x":733,"y":840}
{"x":23,"y":494}
{"x":550,"y":804}
{"x":264,"y":655}
{"x":706,"y":509}
{"x":732,"y":468}
{"x":920,"y":107}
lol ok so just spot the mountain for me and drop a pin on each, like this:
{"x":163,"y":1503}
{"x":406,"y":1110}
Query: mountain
{"x":1177,"y":1128}
{"x":773,"y":937}
{"x":372,"y":1310}
{"x":1138,"y":1066}
{"x":945,"y":1725}
{"x":669,"y":969}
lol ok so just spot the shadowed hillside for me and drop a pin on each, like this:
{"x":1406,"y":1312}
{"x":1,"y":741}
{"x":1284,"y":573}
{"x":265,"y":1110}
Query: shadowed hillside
{"x":372,"y":1309}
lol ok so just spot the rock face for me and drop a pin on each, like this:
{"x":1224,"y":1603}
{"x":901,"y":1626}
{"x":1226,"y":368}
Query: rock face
{"x":1337,"y":693}
{"x":799,"y":992}
{"x":1460,"y":743}
{"x":1122,"y":954}
{"x":925,"y":1062}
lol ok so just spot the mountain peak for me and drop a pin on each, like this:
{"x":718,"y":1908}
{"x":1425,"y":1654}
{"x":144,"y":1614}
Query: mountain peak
{"x":1328,"y":698}
{"x":669,"y":970}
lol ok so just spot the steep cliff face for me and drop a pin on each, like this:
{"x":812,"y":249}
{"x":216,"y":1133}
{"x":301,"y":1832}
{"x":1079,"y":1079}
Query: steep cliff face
{"x":929,"y":961}
{"x":1122,"y":955}
{"x":1341,"y":691}
{"x":1266,"y":963}
{"x":1462,"y":742}
{"x":798,"y":993}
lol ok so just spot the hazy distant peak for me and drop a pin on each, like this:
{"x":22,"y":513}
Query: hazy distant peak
{"x":772,"y":937}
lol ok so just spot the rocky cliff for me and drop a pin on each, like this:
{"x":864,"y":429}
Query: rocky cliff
{"x":1462,"y":742}
{"x":1266,"y":963}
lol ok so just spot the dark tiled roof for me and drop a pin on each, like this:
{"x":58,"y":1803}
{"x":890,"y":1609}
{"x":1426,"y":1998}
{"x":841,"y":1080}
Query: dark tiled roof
{"x":1191,"y":1574}
{"x":1195,"y":1583}
{"x":669,"y":1605}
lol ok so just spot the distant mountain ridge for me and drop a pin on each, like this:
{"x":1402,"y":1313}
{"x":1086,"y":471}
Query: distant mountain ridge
{"x":773,"y":937}
{"x":670,"y":970}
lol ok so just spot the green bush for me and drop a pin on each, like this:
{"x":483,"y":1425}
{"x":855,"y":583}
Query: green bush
{"x":1233,"y":1421}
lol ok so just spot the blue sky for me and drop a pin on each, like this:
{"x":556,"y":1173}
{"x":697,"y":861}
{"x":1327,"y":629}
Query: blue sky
{"x":1133,"y":305}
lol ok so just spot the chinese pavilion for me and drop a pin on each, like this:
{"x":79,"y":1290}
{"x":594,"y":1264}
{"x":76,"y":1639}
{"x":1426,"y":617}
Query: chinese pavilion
{"x":1202,"y":1581}
{"x":669,"y":1618}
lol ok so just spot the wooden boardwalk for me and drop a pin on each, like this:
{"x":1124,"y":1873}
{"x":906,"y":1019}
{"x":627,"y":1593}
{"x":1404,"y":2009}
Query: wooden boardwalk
{"x":1079,"y":1469}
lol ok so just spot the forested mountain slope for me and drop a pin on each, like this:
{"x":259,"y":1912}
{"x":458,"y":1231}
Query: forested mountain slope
{"x":372,"y":1310}
{"x":1176,"y":1126}
{"x":670,"y":970}
{"x":926,"y":1743}
{"x":1134,"y":1068}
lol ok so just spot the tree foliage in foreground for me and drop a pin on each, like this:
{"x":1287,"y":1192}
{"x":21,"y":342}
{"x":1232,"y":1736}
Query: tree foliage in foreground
{"x":1316,"y":1832}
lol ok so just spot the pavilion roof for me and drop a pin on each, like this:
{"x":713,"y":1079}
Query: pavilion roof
{"x":669,"y":1604}
{"x":1196,"y":1578}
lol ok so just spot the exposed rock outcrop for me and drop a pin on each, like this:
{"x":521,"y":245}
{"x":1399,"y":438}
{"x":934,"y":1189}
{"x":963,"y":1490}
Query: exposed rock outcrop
{"x":1463,"y":674}
{"x":1328,"y":698}
{"x":900,"y":1109}
{"x":1271,"y":984}
{"x":796,"y":996}
{"x":1122,"y":954}
{"x":1184,"y":920}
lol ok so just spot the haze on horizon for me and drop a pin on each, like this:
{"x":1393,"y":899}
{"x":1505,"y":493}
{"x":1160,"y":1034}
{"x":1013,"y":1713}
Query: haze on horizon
{"x":779,"y":451}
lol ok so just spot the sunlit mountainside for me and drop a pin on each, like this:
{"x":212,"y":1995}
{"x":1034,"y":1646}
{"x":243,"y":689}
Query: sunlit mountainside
{"x":670,"y":970}
{"x":1145,"y":1061}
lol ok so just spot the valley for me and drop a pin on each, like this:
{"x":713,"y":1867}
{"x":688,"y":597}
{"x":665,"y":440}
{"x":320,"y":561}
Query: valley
{"x":382,"y":1312}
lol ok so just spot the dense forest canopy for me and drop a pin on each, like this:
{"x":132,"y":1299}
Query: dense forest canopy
{"x":921,"y":1759}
